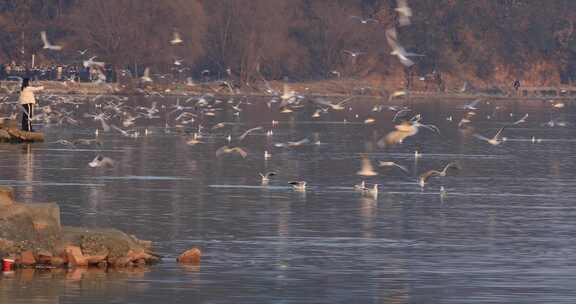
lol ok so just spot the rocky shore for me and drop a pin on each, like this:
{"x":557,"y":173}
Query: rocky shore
{"x":32,"y":236}
{"x":9,"y":132}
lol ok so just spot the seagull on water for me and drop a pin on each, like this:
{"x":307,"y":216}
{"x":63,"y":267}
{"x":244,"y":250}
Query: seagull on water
{"x":100,"y":162}
{"x":299,"y":186}
{"x":265,"y":177}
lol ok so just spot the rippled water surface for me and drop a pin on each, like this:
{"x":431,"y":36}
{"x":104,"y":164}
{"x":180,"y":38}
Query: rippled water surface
{"x":502,"y":232}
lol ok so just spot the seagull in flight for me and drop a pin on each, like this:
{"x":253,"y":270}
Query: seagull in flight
{"x":353,"y":53}
{"x":423,"y":178}
{"x":228,"y":150}
{"x":392,"y":164}
{"x":404,"y":12}
{"x":521,"y":120}
{"x":146,"y":76}
{"x":47,"y":44}
{"x":496,"y":140}
{"x":472,"y":106}
{"x":265,"y":177}
{"x":398,"y":50}
{"x":364,"y":20}
{"x":176,"y":39}
{"x":91,"y":63}
{"x":292,"y":144}
{"x":367,"y":169}
{"x":248,"y":132}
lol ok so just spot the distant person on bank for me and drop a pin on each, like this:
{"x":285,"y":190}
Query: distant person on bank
{"x":28,"y":101}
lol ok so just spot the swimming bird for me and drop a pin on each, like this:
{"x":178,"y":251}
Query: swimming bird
{"x":228,"y":150}
{"x":360,"y":187}
{"x":423,"y":178}
{"x":47,"y":44}
{"x":86,"y":142}
{"x":496,"y":140}
{"x":371,"y":191}
{"x":64,"y":142}
{"x":367,"y":169}
{"x":265,"y":177}
{"x":100,"y":162}
{"x":299,"y":186}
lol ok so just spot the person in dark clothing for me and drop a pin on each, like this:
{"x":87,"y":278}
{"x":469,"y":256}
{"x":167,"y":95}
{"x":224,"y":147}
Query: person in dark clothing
{"x":516,"y":85}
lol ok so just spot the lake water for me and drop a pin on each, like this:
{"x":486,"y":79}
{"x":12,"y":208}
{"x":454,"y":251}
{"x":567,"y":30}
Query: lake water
{"x":503,"y":231}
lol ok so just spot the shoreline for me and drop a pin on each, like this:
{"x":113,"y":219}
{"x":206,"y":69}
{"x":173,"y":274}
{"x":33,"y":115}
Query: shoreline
{"x":328,"y":88}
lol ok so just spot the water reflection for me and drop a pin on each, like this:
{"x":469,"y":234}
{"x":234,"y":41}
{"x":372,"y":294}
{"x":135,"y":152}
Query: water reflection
{"x":49,"y":285}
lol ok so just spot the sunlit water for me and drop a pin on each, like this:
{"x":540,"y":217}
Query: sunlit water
{"x":503,"y":231}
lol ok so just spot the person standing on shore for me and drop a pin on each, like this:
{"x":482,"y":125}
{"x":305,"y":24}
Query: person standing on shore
{"x":27,"y":101}
{"x":516,"y":85}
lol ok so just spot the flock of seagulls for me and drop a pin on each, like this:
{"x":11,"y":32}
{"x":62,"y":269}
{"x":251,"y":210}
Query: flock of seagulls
{"x":208,"y":119}
{"x":200,"y":117}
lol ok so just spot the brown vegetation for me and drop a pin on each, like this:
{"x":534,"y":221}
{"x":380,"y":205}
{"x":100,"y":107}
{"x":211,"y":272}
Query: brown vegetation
{"x":484,"y":42}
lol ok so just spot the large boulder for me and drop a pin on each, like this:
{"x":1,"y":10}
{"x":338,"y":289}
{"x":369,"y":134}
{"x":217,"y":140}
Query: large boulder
{"x":33,"y":234}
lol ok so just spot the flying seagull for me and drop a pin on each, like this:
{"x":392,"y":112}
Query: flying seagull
{"x":364,"y":20}
{"x":228,"y":150}
{"x":367,"y":169}
{"x":404,"y":12}
{"x":266,"y":177}
{"x":398,"y":50}
{"x":176,"y":39}
{"x":47,"y":44}
{"x":496,"y":140}
{"x":423,"y":178}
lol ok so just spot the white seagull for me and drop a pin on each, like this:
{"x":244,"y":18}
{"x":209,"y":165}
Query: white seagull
{"x":47,"y":44}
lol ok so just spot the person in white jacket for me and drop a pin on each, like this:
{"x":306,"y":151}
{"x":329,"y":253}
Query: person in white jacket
{"x":27,"y":100}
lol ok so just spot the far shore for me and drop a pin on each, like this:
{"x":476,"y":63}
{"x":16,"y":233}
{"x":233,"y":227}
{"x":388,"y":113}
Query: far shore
{"x":327,"y":88}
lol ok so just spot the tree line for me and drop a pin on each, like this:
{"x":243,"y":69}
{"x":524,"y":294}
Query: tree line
{"x":481,"y":40}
